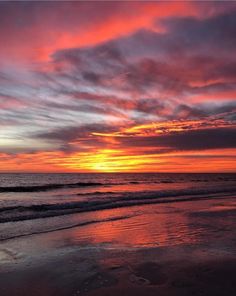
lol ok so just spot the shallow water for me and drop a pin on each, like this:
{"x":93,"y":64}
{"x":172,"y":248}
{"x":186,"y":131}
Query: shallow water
{"x":35,"y":203}
{"x":206,"y":222}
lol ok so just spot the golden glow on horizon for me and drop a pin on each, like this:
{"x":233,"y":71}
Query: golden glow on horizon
{"x":120,"y":158}
{"x":108,"y":160}
{"x":126,"y":87}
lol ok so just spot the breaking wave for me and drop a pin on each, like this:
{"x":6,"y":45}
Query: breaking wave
{"x":47,"y":187}
{"x":20,"y":213}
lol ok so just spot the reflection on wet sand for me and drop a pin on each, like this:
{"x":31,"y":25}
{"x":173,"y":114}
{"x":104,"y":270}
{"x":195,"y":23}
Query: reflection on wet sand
{"x":149,"y":226}
{"x":187,"y":248}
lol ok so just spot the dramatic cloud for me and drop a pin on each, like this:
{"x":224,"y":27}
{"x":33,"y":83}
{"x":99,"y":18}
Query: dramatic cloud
{"x":119,"y":86}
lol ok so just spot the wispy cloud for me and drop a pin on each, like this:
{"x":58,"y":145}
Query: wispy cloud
{"x":122,"y":83}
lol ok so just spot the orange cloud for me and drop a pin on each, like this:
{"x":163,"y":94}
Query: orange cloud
{"x":114,"y":160}
{"x":110,"y":20}
{"x":117,"y":86}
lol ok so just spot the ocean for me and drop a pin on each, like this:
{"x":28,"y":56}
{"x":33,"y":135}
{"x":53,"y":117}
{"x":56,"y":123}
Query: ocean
{"x":38,"y":203}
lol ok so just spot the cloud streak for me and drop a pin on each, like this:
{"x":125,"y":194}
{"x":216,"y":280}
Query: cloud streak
{"x":117,"y":88}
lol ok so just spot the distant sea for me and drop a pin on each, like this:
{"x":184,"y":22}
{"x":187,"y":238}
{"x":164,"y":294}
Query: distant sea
{"x":36,"y":203}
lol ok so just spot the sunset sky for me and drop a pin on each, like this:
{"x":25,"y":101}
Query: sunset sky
{"x":117,"y":86}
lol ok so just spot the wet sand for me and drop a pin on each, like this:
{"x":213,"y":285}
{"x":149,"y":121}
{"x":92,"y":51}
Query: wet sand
{"x":62,"y":263}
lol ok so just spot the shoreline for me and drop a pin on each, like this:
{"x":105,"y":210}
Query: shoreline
{"x":186,"y":249}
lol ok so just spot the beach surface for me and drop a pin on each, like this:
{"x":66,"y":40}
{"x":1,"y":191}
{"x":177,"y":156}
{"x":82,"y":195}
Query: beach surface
{"x":182,"y":248}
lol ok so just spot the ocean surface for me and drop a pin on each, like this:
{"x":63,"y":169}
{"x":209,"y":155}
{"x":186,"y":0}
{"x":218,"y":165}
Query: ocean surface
{"x":38,"y":203}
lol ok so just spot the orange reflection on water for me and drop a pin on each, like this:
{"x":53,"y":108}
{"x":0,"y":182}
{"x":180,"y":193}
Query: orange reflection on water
{"x":156,"y":225}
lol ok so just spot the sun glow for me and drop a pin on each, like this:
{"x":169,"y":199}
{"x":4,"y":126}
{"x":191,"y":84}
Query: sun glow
{"x":122,"y":87}
{"x":106,"y":160}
